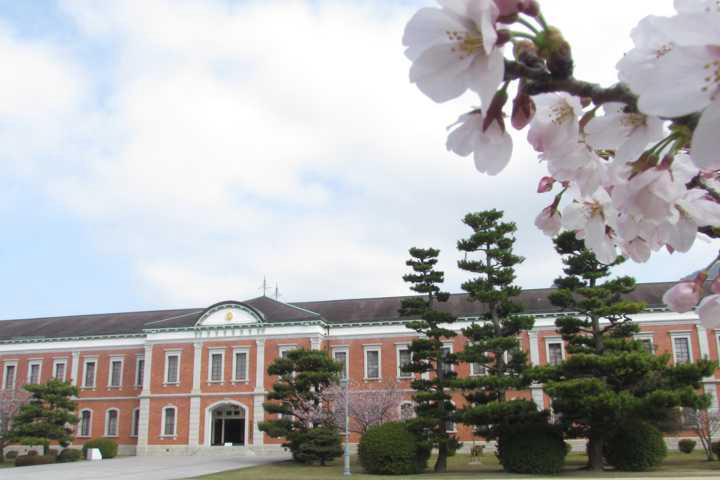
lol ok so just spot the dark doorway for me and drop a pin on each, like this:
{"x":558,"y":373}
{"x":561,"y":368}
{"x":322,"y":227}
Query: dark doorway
{"x":228,"y":426}
{"x":235,"y":431}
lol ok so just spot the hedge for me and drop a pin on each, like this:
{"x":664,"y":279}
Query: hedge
{"x":70,"y":455}
{"x":108,"y":447}
{"x":27,"y":460}
{"x":635,"y":447}
{"x":11,"y":454}
{"x":532,"y":448}
{"x":391,"y":449}
{"x":686,"y":445}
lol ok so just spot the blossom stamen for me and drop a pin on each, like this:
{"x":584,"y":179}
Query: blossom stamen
{"x":561,"y":112}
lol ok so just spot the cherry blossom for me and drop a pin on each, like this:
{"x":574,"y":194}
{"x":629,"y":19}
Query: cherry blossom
{"x":594,"y":219}
{"x":709,"y":311}
{"x":491,"y":148}
{"x":628,"y":133}
{"x":682,"y":297}
{"x":555,"y":124}
{"x":454,"y":49}
{"x":549,"y":221}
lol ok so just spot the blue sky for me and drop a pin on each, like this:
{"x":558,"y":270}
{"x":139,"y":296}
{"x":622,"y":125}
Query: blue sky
{"x":157,"y":154}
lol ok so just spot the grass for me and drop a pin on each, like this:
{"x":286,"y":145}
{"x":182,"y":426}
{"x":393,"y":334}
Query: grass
{"x":676,"y":465}
{"x":7,"y":464}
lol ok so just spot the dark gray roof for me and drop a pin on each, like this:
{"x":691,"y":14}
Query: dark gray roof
{"x":361,"y":310}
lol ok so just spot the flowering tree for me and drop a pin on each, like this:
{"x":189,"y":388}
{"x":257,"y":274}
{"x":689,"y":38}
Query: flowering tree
{"x":636,"y":163}
{"x":367,"y":407}
{"x":10,"y":402}
{"x":706,"y":425}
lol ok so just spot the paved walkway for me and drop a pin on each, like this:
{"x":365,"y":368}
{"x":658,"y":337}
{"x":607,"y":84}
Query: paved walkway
{"x":135,"y":468}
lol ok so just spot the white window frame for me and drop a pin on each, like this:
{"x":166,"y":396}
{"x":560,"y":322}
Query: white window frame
{"x":686,"y":335}
{"x":86,"y":361}
{"x":454,"y":424}
{"x":32,"y":363}
{"x":346,"y":351}
{"x":400,"y":374}
{"x":90,"y":421}
{"x":168,"y":354}
{"x":122,"y":370}
{"x":139,"y":371}
{"x":450,"y":347}
{"x":553,"y":340}
{"x":221,"y":352}
{"x":6,"y":365}
{"x":642,"y":336}
{"x":246,"y":351}
{"x":473,"y":373}
{"x":163,"y":434}
{"x":134,"y":429}
{"x":285,"y":348}
{"x":372,"y":348}
{"x":56,"y":362}
{"x":117,"y":422}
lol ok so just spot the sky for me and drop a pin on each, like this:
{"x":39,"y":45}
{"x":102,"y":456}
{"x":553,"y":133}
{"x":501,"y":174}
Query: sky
{"x":160,"y":154}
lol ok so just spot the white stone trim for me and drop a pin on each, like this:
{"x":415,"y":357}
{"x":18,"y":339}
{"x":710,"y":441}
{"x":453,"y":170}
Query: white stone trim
{"x":235,"y":352}
{"x":113,"y":359}
{"x":400,"y":374}
{"x":211,"y":352}
{"x":172,"y":353}
{"x":136,"y":380}
{"x":56,"y":362}
{"x":681,"y":334}
{"x":6,"y":364}
{"x":86,"y":361}
{"x":30,"y":364}
{"x":107,"y":422}
{"x":135,"y":414}
{"x":90,"y":422}
{"x":163,"y":433}
{"x":554,"y":340}
{"x":366,"y":350}
{"x":259,"y":365}
{"x":346,"y":366}
{"x":208,"y":419}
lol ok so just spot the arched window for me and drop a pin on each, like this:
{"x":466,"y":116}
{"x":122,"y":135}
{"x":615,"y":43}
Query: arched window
{"x":85,"y":423}
{"x":111,"y":422}
{"x":169,"y":421}
{"x":407,"y":411}
{"x":135,"y":426}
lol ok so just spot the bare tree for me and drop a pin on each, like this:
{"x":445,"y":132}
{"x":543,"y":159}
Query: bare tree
{"x":10,"y":402}
{"x":367,"y":406}
{"x":706,"y":424}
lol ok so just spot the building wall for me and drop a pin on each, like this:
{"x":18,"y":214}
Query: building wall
{"x":195,"y":393}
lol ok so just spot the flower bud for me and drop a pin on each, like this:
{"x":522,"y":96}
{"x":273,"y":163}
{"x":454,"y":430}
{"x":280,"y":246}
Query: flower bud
{"x":503,"y":36}
{"x":682,"y":297}
{"x":495,"y":110}
{"x":531,"y":8}
{"x":556,"y":50}
{"x":545,"y":185}
{"x":523,"y":111}
{"x":525,"y":52}
{"x":510,"y":8}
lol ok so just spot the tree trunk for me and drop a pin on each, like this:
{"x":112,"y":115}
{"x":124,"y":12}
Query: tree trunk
{"x":595,"y":454}
{"x":441,"y":463}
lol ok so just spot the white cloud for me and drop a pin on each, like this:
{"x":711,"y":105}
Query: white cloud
{"x":268,"y":138}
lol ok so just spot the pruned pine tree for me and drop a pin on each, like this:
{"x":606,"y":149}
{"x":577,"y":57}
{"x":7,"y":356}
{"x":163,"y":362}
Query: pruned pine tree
{"x":47,"y":416}
{"x":301,"y":408}
{"x":497,"y":362}
{"x":430,"y":355}
{"x":609,"y":378}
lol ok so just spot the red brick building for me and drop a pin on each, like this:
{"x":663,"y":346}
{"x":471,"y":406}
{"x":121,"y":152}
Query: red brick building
{"x":183,"y":381}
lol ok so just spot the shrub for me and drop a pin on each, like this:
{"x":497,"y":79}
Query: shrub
{"x":391,"y":449}
{"x":32,"y":453}
{"x":108,"y":447}
{"x":319,"y":444}
{"x":27,"y":460}
{"x":686,"y":445}
{"x":568,"y":448}
{"x":636,"y":447}
{"x":715,"y":448}
{"x":11,"y":454}
{"x":531,"y":448}
{"x":70,"y":455}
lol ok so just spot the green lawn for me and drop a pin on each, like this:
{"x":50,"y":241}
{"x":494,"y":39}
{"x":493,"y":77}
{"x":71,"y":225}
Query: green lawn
{"x":7,"y":464}
{"x":676,"y":465}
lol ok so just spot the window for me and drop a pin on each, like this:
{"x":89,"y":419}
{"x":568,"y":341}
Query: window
{"x":111,"y":423}
{"x":403,"y":359}
{"x":168,"y":422}
{"x":139,"y":371}
{"x":34,"y":372}
{"x":284,"y":349}
{"x":372,"y":363}
{"x":85,"y":423}
{"x":681,"y":349}
{"x":555,"y":352}
{"x":172,"y":367}
{"x":647,"y":344}
{"x":115,"y":374}
{"x":9,"y":376}
{"x":89,"y":378}
{"x":407,"y":411}
{"x":240,"y":365}
{"x":215,"y":367}
{"x":477,"y":369}
{"x":59,"y":367}
{"x":135,"y":426}
{"x":446,"y":366}
{"x":340,"y":356}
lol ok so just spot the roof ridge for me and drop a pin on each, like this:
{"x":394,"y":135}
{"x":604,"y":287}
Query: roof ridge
{"x":132,"y":312}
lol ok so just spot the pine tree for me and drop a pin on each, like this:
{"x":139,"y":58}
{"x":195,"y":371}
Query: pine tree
{"x":299,"y":397}
{"x":429,"y":354}
{"x":46,"y":416}
{"x":493,"y":347}
{"x":608,"y":378}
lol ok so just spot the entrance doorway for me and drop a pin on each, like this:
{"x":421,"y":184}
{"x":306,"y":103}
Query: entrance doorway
{"x":228,"y":425}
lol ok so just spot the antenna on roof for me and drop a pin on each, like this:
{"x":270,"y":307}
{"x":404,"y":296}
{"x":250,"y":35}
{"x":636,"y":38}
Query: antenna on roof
{"x":277,"y":291}
{"x":264,"y":287}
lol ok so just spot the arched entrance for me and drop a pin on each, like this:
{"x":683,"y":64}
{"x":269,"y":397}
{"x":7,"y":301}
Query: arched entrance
{"x":226,"y":424}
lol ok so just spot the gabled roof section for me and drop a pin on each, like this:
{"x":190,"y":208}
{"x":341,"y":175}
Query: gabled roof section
{"x":276,"y":311}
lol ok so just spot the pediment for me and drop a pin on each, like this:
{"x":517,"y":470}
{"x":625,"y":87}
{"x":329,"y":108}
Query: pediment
{"x":230,"y":313}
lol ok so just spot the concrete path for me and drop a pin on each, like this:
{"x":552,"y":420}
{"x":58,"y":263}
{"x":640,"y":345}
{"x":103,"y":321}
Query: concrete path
{"x":135,"y":468}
